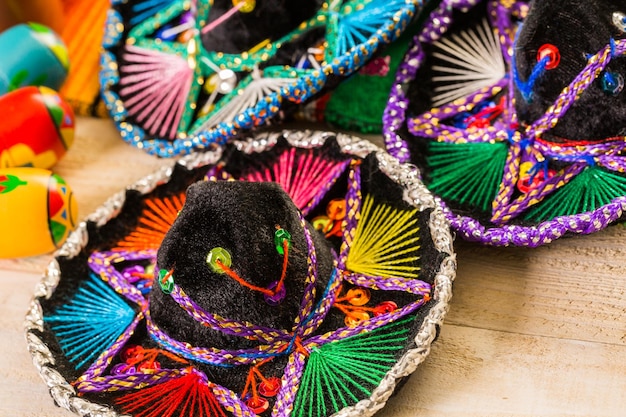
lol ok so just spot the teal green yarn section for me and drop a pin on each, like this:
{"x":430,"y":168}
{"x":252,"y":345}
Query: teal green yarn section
{"x":591,"y":189}
{"x":358,"y":103}
{"x":90,"y":322}
{"x":341,"y":373}
{"x":355,"y":24}
{"x":467,"y":173}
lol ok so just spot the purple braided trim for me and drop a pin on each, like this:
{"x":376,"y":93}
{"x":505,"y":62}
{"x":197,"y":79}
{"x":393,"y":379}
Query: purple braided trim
{"x":337,"y":171}
{"x":447,"y":133}
{"x":216,"y":356}
{"x":541,"y":234}
{"x":556,"y":150}
{"x":438,"y":23}
{"x":614,"y":163}
{"x":511,"y":170}
{"x":413,"y":286}
{"x":210,"y":355}
{"x":394,"y":114}
{"x":324,"y":306}
{"x":102,"y":264}
{"x":364,"y":326}
{"x":440,"y":19}
{"x":228,"y":399}
{"x":500,"y":19}
{"x":572,"y":92}
{"x":306,"y":305}
{"x":290,"y":385}
{"x":105,"y":358}
{"x":224,"y":325}
{"x":126,"y":382}
{"x":537,"y":194}
{"x":353,"y":210}
{"x":520,"y":9}
{"x":510,"y":114}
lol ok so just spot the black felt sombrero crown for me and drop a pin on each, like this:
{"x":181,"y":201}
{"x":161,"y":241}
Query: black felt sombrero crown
{"x":301,"y":273}
{"x":515,"y":116}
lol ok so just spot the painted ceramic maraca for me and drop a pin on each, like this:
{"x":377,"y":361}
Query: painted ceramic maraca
{"x":37,"y":212}
{"x":39,"y":131}
{"x":32,"y":54}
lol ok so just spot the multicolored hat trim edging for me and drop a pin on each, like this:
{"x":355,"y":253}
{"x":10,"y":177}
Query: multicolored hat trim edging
{"x":113,"y":325}
{"x":181,"y":75}
{"x":357,"y":104}
{"x":521,"y":149}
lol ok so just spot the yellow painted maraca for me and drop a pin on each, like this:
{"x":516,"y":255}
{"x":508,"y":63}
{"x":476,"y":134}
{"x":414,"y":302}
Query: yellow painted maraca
{"x":37,"y":212}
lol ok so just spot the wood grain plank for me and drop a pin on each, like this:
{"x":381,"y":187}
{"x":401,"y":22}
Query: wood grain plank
{"x":574,"y":288}
{"x":485,"y":373}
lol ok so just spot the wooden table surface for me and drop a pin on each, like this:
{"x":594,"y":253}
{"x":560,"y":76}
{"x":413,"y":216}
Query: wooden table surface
{"x":530,"y":332}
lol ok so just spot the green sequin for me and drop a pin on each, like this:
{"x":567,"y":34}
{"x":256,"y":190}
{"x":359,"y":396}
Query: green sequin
{"x":167,"y":285}
{"x":279,"y":237}
{"x":218,"y":254}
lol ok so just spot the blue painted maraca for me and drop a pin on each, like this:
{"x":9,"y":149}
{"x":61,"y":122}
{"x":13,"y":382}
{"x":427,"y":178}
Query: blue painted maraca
{"x":32,"y":54}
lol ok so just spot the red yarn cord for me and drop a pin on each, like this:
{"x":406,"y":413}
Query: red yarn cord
{"x":283,"y":274}
{"x":246,"y":284}
{"x":187,"y":396}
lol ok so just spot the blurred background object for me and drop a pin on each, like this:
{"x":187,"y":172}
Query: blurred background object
{"x":32,"y":54}
{"x":80,"y":24}
{"x":45,"y":12}
{"x":82,"y":33}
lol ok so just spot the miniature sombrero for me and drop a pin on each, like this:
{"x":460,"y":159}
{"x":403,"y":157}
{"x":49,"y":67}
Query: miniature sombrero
{"x":180,"y":75}
{"x":300,"y":274}
{"x":521,"y":149}
{"x":357,"y":104}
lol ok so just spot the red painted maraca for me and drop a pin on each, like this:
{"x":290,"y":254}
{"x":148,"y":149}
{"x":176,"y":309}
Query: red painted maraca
{"x":37,"y":129}
{"x":37,"y":212}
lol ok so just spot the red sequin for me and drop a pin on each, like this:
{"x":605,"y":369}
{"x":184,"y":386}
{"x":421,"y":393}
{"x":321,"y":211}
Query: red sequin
{"x":553,"y":54}
{"x":385,"y":307}
{"x":270,"y":387}
{"x":257,"y":405}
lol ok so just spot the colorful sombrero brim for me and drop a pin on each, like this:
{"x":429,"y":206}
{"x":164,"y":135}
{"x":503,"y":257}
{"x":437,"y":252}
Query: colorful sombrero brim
{"x":86,"y":328}
{"x":357,"y":104}
{"x":451,"y":112}
{"x":170,"y":92}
